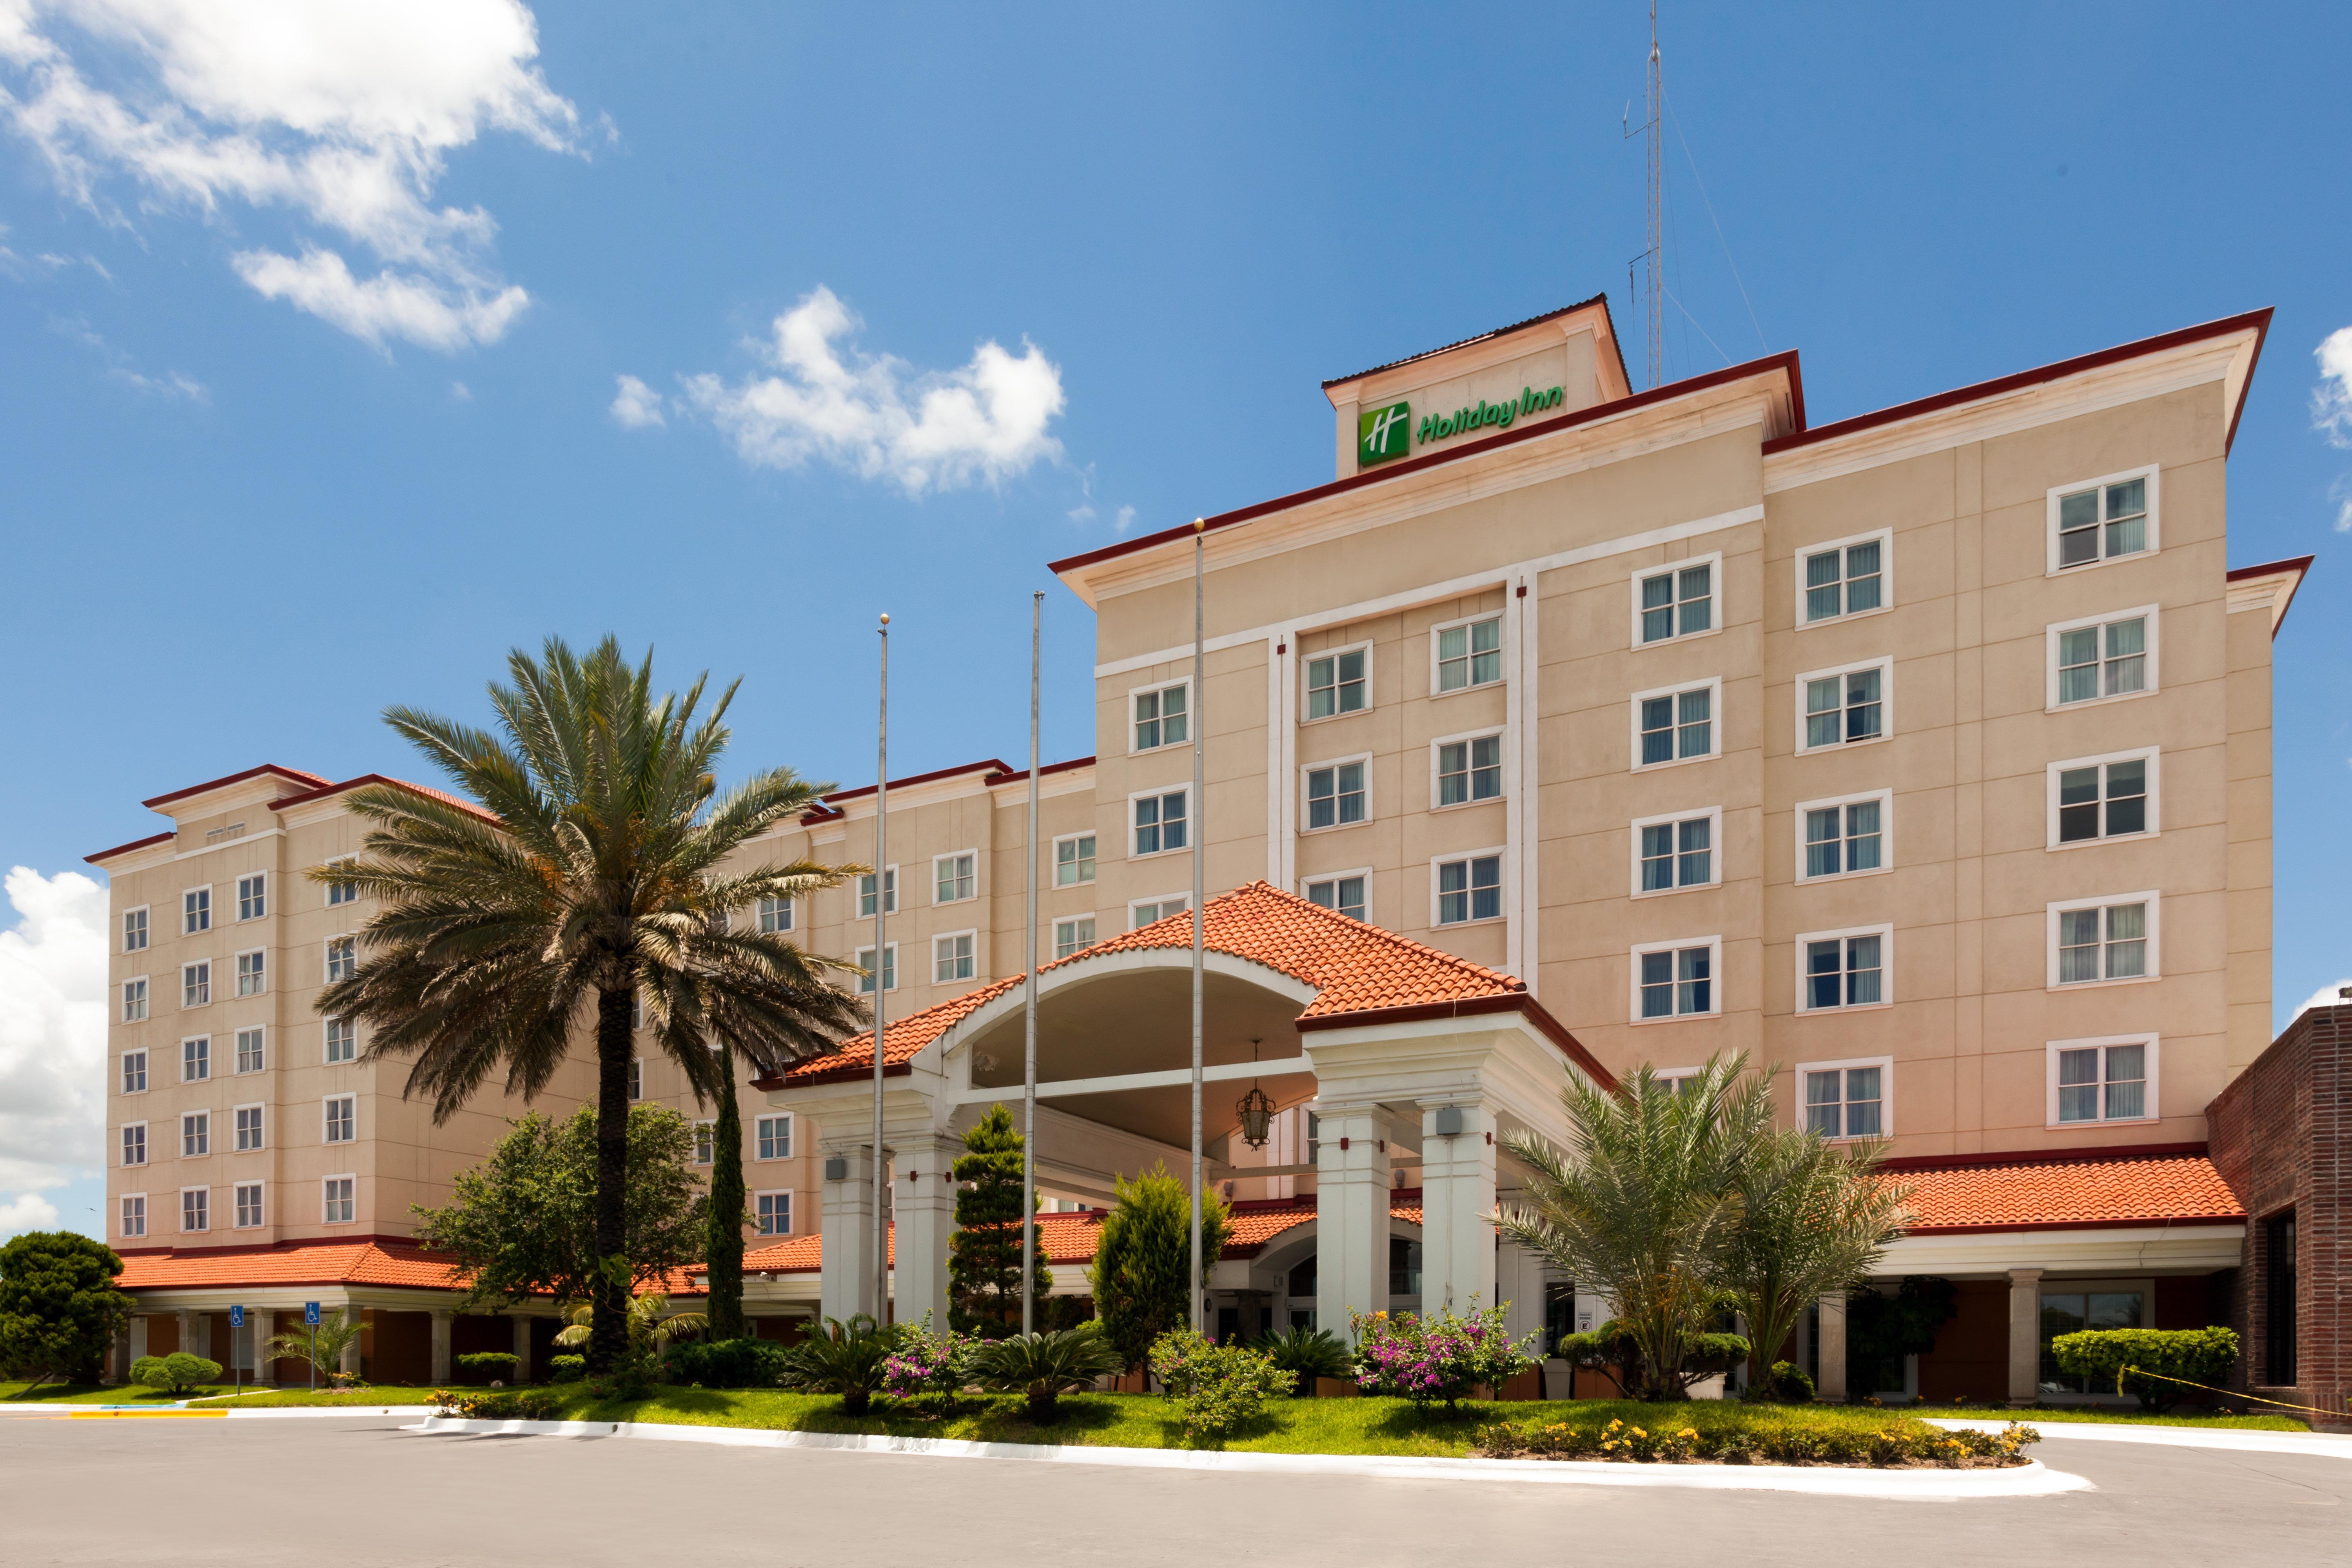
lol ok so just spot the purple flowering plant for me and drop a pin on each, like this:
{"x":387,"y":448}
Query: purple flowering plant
{"x":1428,"y":1358}
{"x":926,"y":1363}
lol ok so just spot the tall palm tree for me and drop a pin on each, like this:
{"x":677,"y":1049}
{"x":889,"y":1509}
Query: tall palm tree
{"x":589,"y":878}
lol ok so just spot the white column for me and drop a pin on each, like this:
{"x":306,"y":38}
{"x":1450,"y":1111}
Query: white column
{"x":1457,"y":1194}
{"x":441,"y":1324}
{"x":196,"y":1334}
{"x":923,"y":1207}
{"x":354,"y":1361}
{"x":137,"y":1339}
{"x":522,"y":1348}
{"x":1831,"y":1385}
{"x":847,"y":1284}
{"x":1351,"y":1215}
{"x":2024,"y":1335}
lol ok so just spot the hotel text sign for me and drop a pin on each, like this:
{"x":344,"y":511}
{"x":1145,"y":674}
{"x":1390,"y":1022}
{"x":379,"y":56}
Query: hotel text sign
{"x":1386,"y":434}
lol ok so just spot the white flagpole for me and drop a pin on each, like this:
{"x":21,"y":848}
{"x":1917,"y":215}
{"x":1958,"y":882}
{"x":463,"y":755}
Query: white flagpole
{"x":881,"y":976}
{"x":1200,"y":818}
{"x":1029,"y":1009}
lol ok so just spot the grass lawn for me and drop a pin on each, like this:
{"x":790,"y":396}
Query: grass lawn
{"x":363,"y":1398}
{"x":2063,"y":1414}
{"x":88,"y":1393}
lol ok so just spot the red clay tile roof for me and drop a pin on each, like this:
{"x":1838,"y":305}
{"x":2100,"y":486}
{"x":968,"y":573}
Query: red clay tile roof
{"x":1360,"y":973}
{"x":356,"y":1260}
{"x":2068,"y":1191}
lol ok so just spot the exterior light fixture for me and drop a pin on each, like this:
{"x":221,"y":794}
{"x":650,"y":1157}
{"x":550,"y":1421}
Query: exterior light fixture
{"x":1256,"y":1111}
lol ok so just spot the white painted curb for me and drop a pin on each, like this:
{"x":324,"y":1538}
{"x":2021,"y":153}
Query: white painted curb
{"x":232,"y":1412}
{"x":2228,"y":1439}
{"x":2031,"y":1479}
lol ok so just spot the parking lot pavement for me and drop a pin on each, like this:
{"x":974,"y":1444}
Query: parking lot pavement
{"x":362,"y":1491}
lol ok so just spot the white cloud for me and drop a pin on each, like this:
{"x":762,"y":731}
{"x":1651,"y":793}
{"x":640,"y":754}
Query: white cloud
{"x":52,"y":1030}
{"x":2331,"y":401}
{"x":2328,"y":995}
{"x":1123,"y":519}
{"x":875,"y":416}
{"x":344,"y":114}
{"x":635,"y":405}
{"x":170,"y":385}
{"x":27,"y":1211}
{"x":461,"y":391}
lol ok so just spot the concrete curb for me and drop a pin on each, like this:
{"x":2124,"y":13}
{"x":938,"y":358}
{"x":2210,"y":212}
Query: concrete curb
{"x":2031,"y":1479}
{"x":2226,"y":1438}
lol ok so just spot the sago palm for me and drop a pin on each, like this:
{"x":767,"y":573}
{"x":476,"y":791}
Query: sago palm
{"x":321,"y":1348}
{"x":591,"y":876}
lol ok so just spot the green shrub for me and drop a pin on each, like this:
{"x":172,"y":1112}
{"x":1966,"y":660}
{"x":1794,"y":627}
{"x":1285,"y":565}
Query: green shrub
{"x":1144,"y":1257}
{"x":524,"y":1404}
{"x":727,"y":1363}
{"x":567,"y":1368}
{"x":1306,"y":1354}
{"x":1044,"y":1366}
{"x":58,"y":1308}
{"x":1218,"y":1386}
{"x":2197,"y":1355}
{"x":1785,"y":1384}
{"x":174,"y":1373}
{"x":1613,"y":1350}
{"x":1426,"y":1359}
{"x":848,"y":1359}
{"x":1898,"y":1443}
{"x":926,"y":1363}
{"x":487,"y":1364}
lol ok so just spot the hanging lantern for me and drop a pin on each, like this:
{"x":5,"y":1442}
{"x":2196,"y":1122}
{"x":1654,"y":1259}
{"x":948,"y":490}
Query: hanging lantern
{"x":1256,"y":1112}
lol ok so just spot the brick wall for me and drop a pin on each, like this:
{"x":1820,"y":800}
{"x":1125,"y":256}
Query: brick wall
{"x":2281,"y":1135}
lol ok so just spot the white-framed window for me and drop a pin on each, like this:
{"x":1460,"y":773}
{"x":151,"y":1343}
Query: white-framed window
{"x":890,"y":893}
{"x":1337,"y":796}
{"x":245,"y":1121}
{"x":772,"y":1138}
{"x":195,"y":1209}
{"x":636,"y":1079}
{"x":706,"y":1145}
{"x":134,"y":1072}
{"x":252,"y":973}
{"x":2108,"y":1078}
{"x":1677,"y":850}
{"x":134,"y":1143}
{"x":2110,"y":797}
{"x":2094,"y":941}
{"x":342,"y":958}
{"x":1677,"y":1079}
{"x":1143,"y":911}
{"x":1853,"y":1099}
{"x":341,"y":893}
{"x":1160,"y":818}
{"x":771,"y":1212}
{"x":340,"y":1116}
{"x":1848,"y":836}
{"x":1838,"y":969}
{"x":1677,"y":723}
{"x":1072,"y":934}
{"x":1676,"y":601}
{"x":1465,"y":888}
{"x":1466,"y":768}
{"x":196,"y":1058}
{"x":1466,"y":654}
{"x":1344,"y":893}
{"x":196,"y":1135}
{"x":342,"y":1040}
{"x":134,"y":1215}
{"x":954,"y":877}
{"x":889,"y":967}
{"x":951,"y":957}
{"x":1676,"y":979}
{"x":134,"y":929}
{"x":1162,"y":716}
{"x":253,"y":896}
{"x":247,"y":1200}
{"x":250,"y":1057}
{"x":1074,"y":859}
{"x":1844,"y":706}
{"x":2100,"y":659}
{"x":777,"y":916}
{"x":1841,"y":578}
{"x":1339,"y":681}
{"x":196,"y":983}
{"x":638,"y":1009}
{"x":195,"y":910}
{"x":2106,"y":519}
{"x":134,"y":1000}
{"x":338,"y":1200}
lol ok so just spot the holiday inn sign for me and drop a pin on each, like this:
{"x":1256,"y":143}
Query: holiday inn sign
{"x":1384,"y":434}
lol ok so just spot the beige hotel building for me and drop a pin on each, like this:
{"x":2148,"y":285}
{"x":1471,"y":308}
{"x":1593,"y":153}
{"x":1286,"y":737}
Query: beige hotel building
{"x":1924,"y":756}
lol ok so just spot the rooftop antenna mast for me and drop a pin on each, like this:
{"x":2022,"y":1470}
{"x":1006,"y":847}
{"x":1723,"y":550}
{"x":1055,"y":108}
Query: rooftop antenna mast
{"x":1655,"y":255}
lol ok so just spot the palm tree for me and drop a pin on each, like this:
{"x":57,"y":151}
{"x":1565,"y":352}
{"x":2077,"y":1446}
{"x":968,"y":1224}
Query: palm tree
{"x":589,"y":879}
{"x":1644,"y":1204}
{"x":647,"y":1322}
{"x":321,"y":1348}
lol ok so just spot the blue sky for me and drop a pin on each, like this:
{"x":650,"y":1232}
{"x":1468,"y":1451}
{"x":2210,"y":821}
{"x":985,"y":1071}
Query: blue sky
{"x":315,"y":399}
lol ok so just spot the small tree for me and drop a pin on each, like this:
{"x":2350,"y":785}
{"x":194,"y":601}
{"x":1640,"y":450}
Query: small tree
{"x":178,"y":1372}
{"x":523,"y":1222}
{"x":984,"y":1254}
{"x":58,"y":1308}
{"x":1143,"y":1256}
{"x":321,"y":1348}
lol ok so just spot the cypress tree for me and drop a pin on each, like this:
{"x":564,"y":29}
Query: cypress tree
{"x":1145,"y":1252}
{"x":722,"y":1249}
{"x":984,"y":1254}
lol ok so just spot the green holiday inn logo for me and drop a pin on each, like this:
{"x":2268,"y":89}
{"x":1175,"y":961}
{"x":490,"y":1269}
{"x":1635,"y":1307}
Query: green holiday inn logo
{"x":1383,"y":434}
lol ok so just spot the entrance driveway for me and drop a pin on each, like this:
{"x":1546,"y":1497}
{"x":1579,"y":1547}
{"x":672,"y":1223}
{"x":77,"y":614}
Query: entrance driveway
{"x":323,"y":1493}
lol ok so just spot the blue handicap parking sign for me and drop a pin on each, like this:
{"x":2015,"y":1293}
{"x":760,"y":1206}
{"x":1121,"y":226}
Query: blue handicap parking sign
{"x":237,"y":1317}
{"x":311,"y":1313}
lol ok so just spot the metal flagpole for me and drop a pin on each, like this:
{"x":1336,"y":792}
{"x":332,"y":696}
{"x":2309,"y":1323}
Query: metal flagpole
{"x":1029,"y":1009}
{"x":882,"y":975}
{"x":1199,"y":818}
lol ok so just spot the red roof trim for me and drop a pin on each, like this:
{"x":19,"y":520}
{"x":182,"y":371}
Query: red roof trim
{"x":2259,"y":320}
{"x":1013,"y":775}
{"x":2039,"y":1156}
{"x":1518,"y":1002}
{"x":857,"y":1072}
{"x":1785,"y":362}
{"x":2298,"y":564}
{"x":294,"y":774}
{"x":825,"y":811}
{"x":1600,"y":300}
{"x":287,"y":802}
{"x":146,"y":843}
{"x":2144,"y":1223}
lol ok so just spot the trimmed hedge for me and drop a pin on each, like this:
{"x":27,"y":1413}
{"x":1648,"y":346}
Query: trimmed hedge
{"x":2199,"y":1355}
{"x":527,"y":1404}
{"x":174,"y":1373}
{"x":1794,"y":1443}
{"x":727,"y":1363}
{"x":566,"y":1368}
{"x":487,"y":1364}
